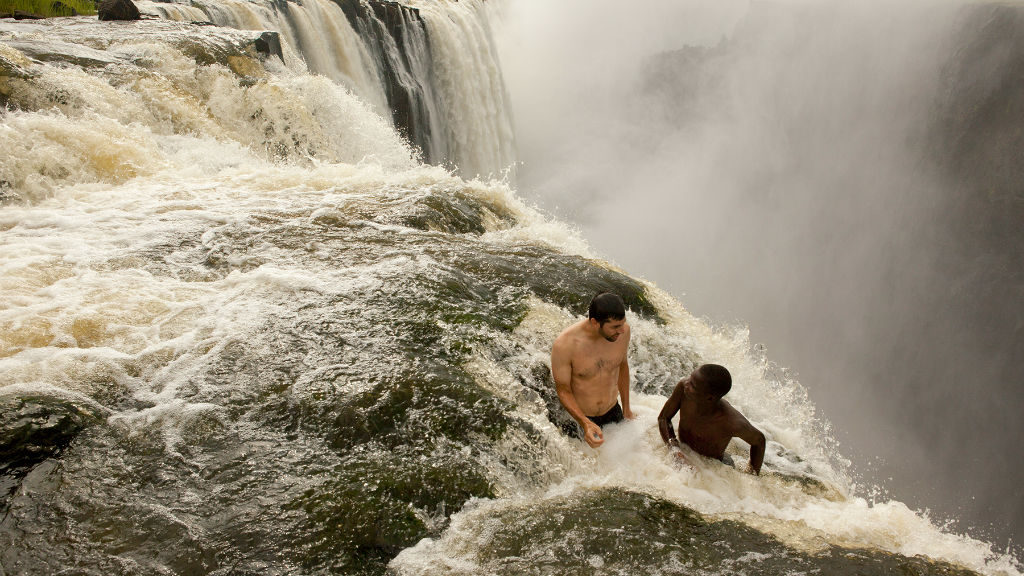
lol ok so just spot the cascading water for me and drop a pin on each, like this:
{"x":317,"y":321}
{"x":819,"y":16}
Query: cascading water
{"x":315,"y":35}
{"x":432,"y":66}
{"x":480,"y":139}
{"x":402,"y":54}
{"x":244,"y":330}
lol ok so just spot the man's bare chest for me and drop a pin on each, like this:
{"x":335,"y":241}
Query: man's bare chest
{"x":591,"y":365}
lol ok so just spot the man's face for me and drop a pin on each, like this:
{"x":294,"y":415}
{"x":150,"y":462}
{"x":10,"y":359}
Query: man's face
{"x":612,"y":329}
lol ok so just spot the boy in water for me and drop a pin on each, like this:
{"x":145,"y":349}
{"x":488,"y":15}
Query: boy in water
{"x":706,"y":421}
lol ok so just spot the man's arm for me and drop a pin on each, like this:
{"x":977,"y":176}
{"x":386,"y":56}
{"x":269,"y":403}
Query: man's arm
{"x":623,"y":385}
{"x":561,"y":371}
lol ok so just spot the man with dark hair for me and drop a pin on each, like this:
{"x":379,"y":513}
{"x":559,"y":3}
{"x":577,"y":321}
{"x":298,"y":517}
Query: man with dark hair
{"x":607,"y":306}
{"x":588,"y":363}
{"x":706,"y":421}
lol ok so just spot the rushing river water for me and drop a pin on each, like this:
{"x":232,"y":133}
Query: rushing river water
{"x":244,"y":329}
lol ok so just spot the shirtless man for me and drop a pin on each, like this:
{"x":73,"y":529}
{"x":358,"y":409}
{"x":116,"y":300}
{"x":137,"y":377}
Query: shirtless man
{"x":588,"y":363}
{"x":706,"y":421}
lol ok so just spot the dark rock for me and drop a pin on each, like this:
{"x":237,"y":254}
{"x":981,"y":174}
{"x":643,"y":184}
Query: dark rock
{"x":269,"y":44}
{"x":22,"y":15}
{"x":642,"y":530}
{"x":63,"y":9}
{"x":14,"y":65}
{"x":37,"y":425}
{"x":117,"y":10}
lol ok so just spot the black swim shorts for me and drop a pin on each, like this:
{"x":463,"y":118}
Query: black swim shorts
{"x":610,"y":417}
{"x":572,"y":429}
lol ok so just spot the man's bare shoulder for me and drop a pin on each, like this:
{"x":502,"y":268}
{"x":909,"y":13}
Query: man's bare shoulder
{"x":571,"y":333}
{"x":568,"y":340}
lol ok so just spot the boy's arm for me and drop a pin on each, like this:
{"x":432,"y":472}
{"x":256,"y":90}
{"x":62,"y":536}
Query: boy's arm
{"x":755,"y":438}
{"x":667,"y":412}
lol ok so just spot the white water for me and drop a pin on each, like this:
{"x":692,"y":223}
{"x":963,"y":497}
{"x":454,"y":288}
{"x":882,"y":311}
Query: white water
{"x":470,"y":82}
{"x":469,"y":116}
{"x":634,"y":457}
{"x":314,"y":35}
{"x":169,"y":151}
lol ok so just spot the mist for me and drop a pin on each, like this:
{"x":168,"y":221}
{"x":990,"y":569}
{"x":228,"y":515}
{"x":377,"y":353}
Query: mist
{"x":820,"y":174}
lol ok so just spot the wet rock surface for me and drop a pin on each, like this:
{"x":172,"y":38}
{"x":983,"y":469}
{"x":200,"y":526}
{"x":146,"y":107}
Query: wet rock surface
{"x":36,"y":426}
{"x":117,"y":10}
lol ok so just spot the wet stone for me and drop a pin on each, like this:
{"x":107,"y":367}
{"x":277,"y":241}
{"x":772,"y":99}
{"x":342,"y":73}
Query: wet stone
{"x":117,"y":10}
{"x":632,"y":533}
{"x":34,"y":427}
{"x":268,"y":44}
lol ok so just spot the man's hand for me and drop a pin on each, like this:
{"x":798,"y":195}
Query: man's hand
{"x":592,"y":434}
{"x":628,"y":413}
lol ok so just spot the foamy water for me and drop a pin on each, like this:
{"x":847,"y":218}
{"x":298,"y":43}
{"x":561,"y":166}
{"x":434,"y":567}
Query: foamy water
{"x":165,"y":212}
{"x":806,"y":516}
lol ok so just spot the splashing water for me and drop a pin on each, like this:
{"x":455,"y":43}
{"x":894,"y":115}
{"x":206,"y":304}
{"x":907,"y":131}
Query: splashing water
{"x":248,"y":331}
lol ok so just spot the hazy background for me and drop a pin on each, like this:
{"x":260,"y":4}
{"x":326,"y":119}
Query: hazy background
{"x":846,"y":181}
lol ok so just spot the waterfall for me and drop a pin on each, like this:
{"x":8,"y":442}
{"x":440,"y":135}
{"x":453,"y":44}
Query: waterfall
{"x":430,"y":68}
{"x":475,"y":108}
{"x":243,"y":329}
{"x":315,"y":36}
{"x":400,"y":49}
